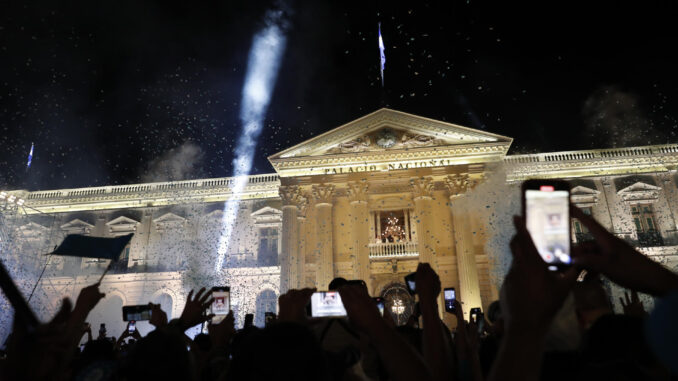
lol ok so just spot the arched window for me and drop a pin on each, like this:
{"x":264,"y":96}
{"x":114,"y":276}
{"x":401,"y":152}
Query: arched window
{"x":165,"y":302}
{"x":266,"y":302}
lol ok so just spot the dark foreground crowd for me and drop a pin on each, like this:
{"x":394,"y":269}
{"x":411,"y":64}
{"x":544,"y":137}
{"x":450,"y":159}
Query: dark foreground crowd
{"x":523,"y":338}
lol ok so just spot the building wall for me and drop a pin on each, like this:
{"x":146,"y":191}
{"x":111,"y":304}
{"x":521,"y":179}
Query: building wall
{"x":174,"y":246}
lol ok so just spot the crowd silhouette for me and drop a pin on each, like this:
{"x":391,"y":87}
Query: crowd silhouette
{"x":523,"y":336}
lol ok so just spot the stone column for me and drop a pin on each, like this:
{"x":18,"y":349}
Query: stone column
{"x":302,"y":244}
{"x":360,"y":231}
{"x":422,"y":189}
{"x":290,"y":196}
{"x":323,"y":204}
{"x":469,"y":286}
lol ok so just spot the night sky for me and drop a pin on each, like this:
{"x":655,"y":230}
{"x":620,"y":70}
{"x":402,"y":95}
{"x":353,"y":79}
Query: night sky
{"x":131,"y":91}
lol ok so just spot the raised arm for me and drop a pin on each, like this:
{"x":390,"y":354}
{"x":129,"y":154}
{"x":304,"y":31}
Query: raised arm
{"x":402,"y":362}
{"x":437,"y":352}
{"x":620,"y":262}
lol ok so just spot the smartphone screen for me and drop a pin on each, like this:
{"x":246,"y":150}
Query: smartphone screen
{"x":327,"y":303}
{"x":132,"y":326}
{"x":221,"y":304}
{"x":410,"y":283}
{"x":475,"y":314}
{"x":380,"y":305}
{"x":548,"y":221}
{"x":450,"y":295}
{"x":136,"y":313}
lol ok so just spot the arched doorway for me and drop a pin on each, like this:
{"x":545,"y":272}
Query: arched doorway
{"x":398,"y":302}
{"x":266,"y":302}
{"x":108,"y":311}
{"x":165,"y":302}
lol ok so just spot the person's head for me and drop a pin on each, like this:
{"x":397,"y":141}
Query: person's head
{"x":161,"y":355}
{"x":336,"y":283}
{"x":281,"y":351}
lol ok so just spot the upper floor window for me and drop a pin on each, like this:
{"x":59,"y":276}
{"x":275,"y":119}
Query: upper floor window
{"x":646,"y":225}
{"x":392,"y":226}
{"x":581,"y":232}
{"x":268,"y":246}
{"x":643,"y":217}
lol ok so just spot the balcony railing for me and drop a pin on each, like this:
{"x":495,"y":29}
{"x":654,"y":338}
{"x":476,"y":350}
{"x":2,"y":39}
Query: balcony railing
{"x":393,"y":249}
{"x":650,"y":239}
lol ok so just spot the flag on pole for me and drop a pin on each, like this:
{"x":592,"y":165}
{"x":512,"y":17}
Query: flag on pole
{"x":78,"y":245}
{"x":30,"y":157}
{"x":382,"y":55}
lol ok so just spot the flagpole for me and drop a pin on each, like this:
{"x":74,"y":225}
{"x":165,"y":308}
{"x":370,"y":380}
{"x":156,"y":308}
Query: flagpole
{"x":110,"y":265}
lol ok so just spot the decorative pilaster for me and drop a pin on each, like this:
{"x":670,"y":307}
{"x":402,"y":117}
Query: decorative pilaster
{"x":422,"y":194}
{"x":323,"y":195}
{"x":360,"y":231}
{"x":302,"y":244}
{"x":469,"y":286}
{"x":291,"y":198}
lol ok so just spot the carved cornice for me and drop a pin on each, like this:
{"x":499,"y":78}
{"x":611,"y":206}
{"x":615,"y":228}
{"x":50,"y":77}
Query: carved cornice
{"x":357,"y":191}
{"x":422,"y":187}
{"x":603,"y":162}
{"x":323,"y":193}
{"x":290,"y":195}
{"x":152,"y":194}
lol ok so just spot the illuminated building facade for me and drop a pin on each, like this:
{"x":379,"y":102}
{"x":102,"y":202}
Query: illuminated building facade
{"x":367,"y":200}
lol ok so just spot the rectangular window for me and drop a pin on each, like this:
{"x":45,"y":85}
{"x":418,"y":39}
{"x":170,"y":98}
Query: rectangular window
{"x":581,"y":233}
{"x":643,"y":217}
{"x":267,"y":254}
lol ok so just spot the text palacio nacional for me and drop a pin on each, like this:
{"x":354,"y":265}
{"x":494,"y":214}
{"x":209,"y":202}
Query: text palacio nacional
{"x":366,"y":200}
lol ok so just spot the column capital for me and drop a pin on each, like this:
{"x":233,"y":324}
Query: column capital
{"x":323,"y":193}
{"x":357,"y":191}
{"x":290,"y":195}
{"x":422,"y":187}
{"x":458,"y":184}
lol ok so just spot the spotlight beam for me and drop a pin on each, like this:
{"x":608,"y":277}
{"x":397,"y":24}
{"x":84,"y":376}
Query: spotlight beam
{"x":263,"y":63}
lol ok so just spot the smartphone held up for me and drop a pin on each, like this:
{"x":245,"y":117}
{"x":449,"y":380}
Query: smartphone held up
{"x":221,"y":305}
{"x":546,"y":208}
{"x":450,"y":296}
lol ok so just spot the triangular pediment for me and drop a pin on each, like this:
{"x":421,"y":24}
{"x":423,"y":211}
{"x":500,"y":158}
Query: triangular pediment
{"x":170,"y":218}
{"x":215,"y":214}
{"x":122,"y":224}
{"x":583,"y":191}
{"x":387,"y":136}
{"x":267,"y":216}
{"x":32,"y":229}
{"x":77,"y":225}
{"x":638,"y":187}
{"x":267,"y":211}
{"x":387,"y":129}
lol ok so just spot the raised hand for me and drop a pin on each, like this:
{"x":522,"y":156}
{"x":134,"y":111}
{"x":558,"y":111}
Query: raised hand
{"x":428,"y":283}
{"x":43,"y":353}
{"x":360,"y":308}
{"x":531,"y":294}
{"x":88,"y":298}
{"x":293,"y":305}
{"x":221,"y":333}
{"x":192,"y":314}
{"x":158,"y":316}
{"x":619,"y":261}
{"x":632,"y":306}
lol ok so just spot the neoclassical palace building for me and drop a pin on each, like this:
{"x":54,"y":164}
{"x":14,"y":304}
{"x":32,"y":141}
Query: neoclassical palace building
{"x":367,"y":200}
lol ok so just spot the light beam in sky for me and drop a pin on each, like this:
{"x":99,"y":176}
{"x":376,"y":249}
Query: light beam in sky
{"x":382,"y":56}
{"x":263,"y":63}
{"x":30,"y":157}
